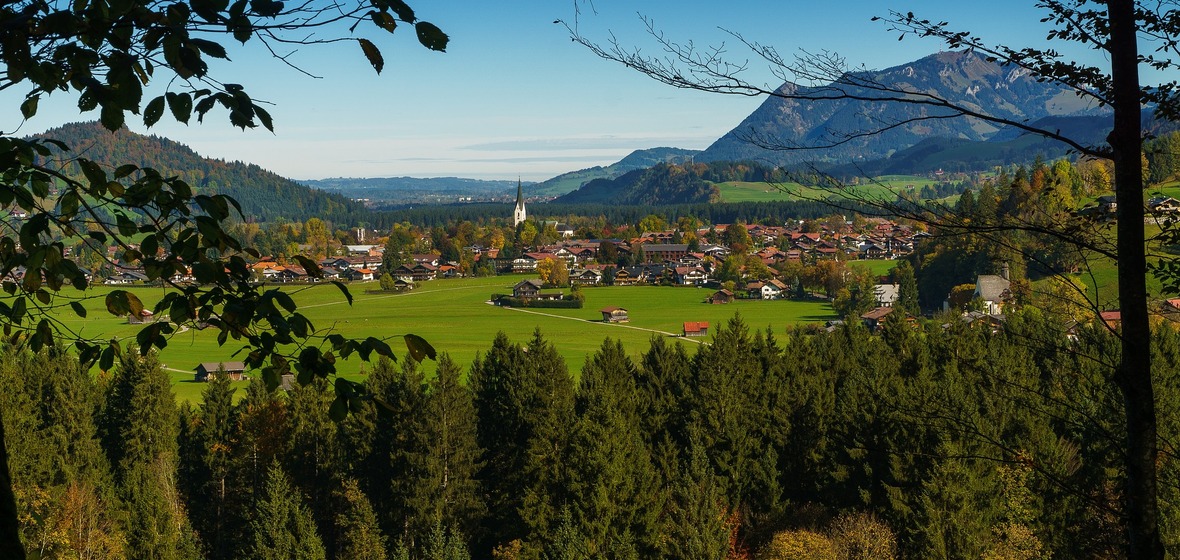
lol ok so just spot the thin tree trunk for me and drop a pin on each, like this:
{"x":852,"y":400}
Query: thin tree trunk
{"x":10,"y":546}
{"x":1134,"y":373}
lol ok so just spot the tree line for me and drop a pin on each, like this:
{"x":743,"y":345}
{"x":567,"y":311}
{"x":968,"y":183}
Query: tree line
{"x":936,"y":439}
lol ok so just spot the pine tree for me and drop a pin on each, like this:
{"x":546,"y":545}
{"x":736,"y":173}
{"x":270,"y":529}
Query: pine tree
{"x":360,"y":536}
{"x":139,"y":423}
{"x":262,"y":436}
{"x":445,"y":489}
{"x":524,"y":402}
{"x":614,"y":493}
{"x":283,"y":528}
{"x":696,"y":525}
{"x":314,"y":457}
{"x":212,"y":440}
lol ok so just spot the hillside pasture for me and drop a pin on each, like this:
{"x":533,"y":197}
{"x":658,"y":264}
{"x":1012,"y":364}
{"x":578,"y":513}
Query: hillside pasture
{"x":881,"y":188}
{"x":455,"y":316}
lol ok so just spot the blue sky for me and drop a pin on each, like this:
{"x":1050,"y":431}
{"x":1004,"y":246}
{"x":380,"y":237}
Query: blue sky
{"x":513,"y":96}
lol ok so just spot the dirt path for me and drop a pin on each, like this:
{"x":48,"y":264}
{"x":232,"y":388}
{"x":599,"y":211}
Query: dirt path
{"x":600,"y":323}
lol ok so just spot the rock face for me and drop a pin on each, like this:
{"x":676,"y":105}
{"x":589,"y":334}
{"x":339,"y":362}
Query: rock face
{"x":838,"y":120}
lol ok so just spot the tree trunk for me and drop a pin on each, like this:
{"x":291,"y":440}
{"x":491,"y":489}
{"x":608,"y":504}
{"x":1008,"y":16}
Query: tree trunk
{"x":10,"y":546}
{"x":1134,"y":372}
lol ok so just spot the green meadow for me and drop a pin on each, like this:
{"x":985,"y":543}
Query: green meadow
{"x":886,"y":187}
{"x":454,"y":316}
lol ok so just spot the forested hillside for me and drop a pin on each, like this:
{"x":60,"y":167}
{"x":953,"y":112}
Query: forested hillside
{"x":925,"y":441}
{"x":661,"y":184}
{"x":262,"y":194}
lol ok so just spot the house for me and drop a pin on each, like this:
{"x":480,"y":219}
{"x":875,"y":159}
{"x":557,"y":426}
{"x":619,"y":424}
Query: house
{"x":614,"y":315}
{"x":586,"y":277}
{"x":696,"y":329}
{"x":993,"y":291}
{"x":664,"y":252}
{"x":403,"y":285}
{"x":721,"y":296}
{"x":773,"y":289}
{"x":235,"y":370}
{"x":530,"y":288}
{"x":1163,"y":205}
{"x":875,"y":319}
{"x":362,"y":274}
{"x":886,"y":294}
{"x":625,"y":277}
{"x":690,"y":275}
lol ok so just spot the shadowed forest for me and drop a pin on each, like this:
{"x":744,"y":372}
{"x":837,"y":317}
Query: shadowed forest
{"x":931,"y":441}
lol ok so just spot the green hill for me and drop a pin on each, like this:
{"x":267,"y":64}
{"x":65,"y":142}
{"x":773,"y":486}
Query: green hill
{"x":262,"y":194}
{"x":639,"y":159}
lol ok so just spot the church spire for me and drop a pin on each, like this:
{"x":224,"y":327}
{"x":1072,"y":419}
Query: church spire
{"x":518,"y":215}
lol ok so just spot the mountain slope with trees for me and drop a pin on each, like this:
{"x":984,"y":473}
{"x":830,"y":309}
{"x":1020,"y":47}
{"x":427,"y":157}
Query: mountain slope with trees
{"x":263,"y":195}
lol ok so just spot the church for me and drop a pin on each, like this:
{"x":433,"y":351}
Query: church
{"x":518,"y":215}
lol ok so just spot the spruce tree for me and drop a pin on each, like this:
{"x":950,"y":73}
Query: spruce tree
{"x":444,"y":488}
{"x":212,"y":440}
{"x":140,"y":422}
{"x":359,"y":534}
{"x":615,"y":496}
{"x":314,"y":458}
{"x":283,"y":528}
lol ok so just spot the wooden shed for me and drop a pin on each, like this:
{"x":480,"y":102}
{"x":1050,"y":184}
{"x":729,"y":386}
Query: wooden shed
{"x":614,"y":315}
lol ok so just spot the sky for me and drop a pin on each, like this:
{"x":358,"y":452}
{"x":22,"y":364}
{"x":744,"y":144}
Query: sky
{"x":513,"y":96}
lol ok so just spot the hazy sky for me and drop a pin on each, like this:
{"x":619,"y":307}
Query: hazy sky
{"x":513,"y":96}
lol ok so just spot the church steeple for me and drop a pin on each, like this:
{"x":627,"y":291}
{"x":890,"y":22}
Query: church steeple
{"x":518,"y":215}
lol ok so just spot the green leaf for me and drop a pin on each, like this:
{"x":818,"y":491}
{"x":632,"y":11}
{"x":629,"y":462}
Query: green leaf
{"x":18,"y":310}
{"x":29,"y":107}
{"x":181,"y":105}
{"x":403,"y":10}
{"x":373,"y":54}
{"x":344,"y":289}
{"x":210,"y":48}
{"x":122,"y":302}
{"x":153,"y":111}
{"x":111,"y":117}
{"x":431,"y":36}
{"x":339,"y":409}
{"x":419,"y":348}
{"x":384,"y":20}
{"x":313,"y":269}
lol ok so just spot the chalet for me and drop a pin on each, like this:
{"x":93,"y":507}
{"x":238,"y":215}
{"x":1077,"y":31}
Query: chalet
{"x":361,"y":275}
{"x":754,"y":289}
{"x":614,"y":315}
{"x":875,"y":319}
{"x":721,"y":297}
{"x":403,"y":285}
{"x":527,"y":289}
{"x":773,"y":289}
{"x":993,"y":291}
{"x":695,"y":329}
{"x":1108,"y":204}
{"x":886,"y":294}
{"x":690,"y":275}
{"x":423,"y":272}
{"x":429,"y":259}
{"x":1112,"y":319}
{"x":585,"y":277}
{"x":1163,"y":205}
{"x":626,"y":277}
{"x":235,"y":370}
{"x":126,"y":276}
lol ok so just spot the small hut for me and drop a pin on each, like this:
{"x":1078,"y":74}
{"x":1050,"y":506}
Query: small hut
{"x":614,"y":315}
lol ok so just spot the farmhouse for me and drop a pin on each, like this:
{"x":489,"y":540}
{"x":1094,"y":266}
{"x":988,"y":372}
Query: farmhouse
{"x":875,"y":319}
{"x":235,"y":370}
{"x":721,"y":296}
{"x":696,"y":329}
{"x":614,"y":315}
{"x":993,"y":291}
{"x":886,"y":294}
{"x":527,"y":289}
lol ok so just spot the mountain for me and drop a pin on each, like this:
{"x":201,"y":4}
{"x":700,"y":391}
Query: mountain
{"x":963,"y":78}
{"x":639,"y":159}
{"x":662,"y":183}
{"x":1007,"y":146}
{"x":410,"y":190}
{"x":262,"y":194}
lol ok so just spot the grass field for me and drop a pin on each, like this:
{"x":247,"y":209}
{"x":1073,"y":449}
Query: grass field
{"x":454,"y":316}
{"x":884,"y":187}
